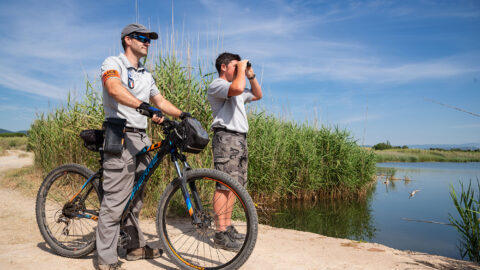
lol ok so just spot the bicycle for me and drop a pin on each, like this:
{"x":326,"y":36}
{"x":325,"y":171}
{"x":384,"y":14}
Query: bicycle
{"x":69,"y":198}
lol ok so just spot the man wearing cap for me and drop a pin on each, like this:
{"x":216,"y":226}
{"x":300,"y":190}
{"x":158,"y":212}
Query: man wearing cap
{"x":127,"y":85}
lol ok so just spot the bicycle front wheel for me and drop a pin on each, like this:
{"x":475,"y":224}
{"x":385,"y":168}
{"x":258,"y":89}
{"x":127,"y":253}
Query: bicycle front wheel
{"x":193,"y":246}
{"x":67,"y":214}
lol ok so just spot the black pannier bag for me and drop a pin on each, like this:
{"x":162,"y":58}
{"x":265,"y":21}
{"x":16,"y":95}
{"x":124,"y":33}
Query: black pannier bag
{"x":92,"y":139}
{"x":114,"y":135}
{"x":190,"y":136}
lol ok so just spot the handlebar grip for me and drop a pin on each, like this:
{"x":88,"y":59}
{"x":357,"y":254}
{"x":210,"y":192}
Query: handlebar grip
{"x":150,"y":111}
{"x":156,"y":112}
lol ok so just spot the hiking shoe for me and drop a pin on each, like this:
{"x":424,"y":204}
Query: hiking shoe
{"x":224,"y":241}
{"x":234,"y":234}
{"x":114,"y":266}
{"x":143,"y":253}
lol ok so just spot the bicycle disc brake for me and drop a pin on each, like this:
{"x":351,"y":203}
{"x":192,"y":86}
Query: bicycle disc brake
{"x":123,"y":239}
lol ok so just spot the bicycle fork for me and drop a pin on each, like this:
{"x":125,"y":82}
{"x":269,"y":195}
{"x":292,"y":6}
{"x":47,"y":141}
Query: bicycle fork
{"x":186,"y":195}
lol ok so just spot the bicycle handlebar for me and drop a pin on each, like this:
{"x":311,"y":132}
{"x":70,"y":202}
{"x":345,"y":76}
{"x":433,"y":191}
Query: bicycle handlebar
{"x":149,"y":111}
{"x":167,"y":123}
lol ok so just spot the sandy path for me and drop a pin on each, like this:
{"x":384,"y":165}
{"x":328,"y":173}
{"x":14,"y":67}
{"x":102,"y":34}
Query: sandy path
{"x":22,"y":246}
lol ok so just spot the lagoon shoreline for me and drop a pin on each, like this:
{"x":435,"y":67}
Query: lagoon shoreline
{"x":22,"y":246}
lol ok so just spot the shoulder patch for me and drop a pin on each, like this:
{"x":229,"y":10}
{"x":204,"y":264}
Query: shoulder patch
{"x":112,"y":73}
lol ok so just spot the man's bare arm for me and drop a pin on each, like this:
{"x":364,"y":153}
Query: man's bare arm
{"x":256,"y":88}
{"x":120,"y":94}
{"x":165,"y":106}
{"x":238,"y":84}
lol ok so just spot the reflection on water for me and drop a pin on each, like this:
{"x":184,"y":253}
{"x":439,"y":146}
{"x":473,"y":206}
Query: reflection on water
{"x":336,"y":218}
{"x":385,"y":215}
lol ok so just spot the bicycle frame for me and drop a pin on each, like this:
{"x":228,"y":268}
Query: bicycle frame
{"x":164,"y":147}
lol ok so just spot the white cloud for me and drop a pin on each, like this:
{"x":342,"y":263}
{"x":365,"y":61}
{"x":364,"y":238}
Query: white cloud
{"x":16,"y":81}
{"x":288,"y":42}
{"x":49,"y":46}
{"x":53,"y":44}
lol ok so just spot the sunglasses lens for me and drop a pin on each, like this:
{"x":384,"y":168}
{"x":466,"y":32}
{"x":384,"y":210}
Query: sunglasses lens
{"x":141,"y":38}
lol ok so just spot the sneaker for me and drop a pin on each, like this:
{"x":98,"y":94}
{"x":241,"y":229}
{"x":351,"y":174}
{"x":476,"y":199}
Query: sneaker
{"x":234,"y":234}
{"x":224,"y":241}
{"x":143,"y":253}
{"x":114,"y":266}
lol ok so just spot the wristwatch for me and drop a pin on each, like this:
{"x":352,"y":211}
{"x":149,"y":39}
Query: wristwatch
{"x":251,"y":78}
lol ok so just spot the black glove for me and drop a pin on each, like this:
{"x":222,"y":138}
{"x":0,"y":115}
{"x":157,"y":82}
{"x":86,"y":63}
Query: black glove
{"x":184,"y":115}
{"x":147,"y":110}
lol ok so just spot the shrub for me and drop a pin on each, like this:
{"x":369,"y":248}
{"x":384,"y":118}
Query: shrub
{"x":382,"y":146}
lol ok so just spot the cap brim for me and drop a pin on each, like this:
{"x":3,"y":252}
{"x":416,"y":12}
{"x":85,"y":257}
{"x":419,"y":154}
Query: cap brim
{"x":153,"y":35}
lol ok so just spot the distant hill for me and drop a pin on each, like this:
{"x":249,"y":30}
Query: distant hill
{"x":8,"y":131}
{"x":465,"y":146}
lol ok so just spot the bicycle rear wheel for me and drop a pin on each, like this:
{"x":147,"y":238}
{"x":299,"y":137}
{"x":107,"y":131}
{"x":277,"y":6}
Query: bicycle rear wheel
{"x":192,"y":246}
{"x":66,"y":217}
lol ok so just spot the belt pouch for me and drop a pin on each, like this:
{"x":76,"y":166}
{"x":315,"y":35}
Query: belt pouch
{"x":114,"y":135}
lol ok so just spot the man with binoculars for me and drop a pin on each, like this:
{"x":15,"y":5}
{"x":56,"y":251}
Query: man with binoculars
{"x":227,"y":96}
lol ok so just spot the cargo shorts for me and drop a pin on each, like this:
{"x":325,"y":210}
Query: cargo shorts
{"x":230,"y":155}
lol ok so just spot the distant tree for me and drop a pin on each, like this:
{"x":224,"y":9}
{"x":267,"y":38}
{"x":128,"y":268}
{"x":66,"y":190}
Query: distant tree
{"x":13,"y":134}
{"x":404,"y":147}
{"x":382,"y":146}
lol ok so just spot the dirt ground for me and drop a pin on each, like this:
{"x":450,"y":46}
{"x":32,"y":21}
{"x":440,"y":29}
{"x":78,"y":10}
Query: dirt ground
{"x":22,"y":246}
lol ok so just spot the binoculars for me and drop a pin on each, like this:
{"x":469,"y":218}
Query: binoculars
{"x":249,"y":64}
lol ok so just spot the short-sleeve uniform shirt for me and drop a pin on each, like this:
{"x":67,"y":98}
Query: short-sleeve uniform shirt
{"x":228,"y":112}
{"x":137,"y":81}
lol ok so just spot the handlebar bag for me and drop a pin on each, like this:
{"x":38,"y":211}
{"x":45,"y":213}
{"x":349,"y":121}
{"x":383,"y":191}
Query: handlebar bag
{"x":114,"y":135}
{"x":191,"y":136}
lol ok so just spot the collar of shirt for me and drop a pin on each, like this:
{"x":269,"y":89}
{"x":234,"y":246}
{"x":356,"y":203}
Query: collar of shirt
{"x":128,"y":65}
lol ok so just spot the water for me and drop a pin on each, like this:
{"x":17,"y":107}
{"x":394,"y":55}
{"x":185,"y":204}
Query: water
{"x":381,"y":216}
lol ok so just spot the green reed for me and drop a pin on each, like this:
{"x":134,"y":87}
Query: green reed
{"x":300,"y":161}
{"x":468,"y":223}
{"x":286,"y":159}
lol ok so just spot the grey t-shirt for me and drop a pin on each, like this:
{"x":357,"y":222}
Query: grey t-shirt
{"x":228,"y":112}
{"x":138,"y":81}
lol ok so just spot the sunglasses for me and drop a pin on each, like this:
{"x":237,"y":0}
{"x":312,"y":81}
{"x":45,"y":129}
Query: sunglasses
{"x":140,"y":38}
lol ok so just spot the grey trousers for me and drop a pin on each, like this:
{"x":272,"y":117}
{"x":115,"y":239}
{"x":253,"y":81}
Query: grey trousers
{"x":119,"y":175}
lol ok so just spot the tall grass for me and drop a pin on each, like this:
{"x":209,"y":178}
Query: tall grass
{"x":285,"y":159}
{"x":297,"y":160}
{"x":54,"y":137}
{"x":468,"y":225}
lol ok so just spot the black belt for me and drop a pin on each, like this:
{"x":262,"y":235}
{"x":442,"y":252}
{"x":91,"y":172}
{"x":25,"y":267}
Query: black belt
{"x":136,"y":130}
{"x":216,"y":129}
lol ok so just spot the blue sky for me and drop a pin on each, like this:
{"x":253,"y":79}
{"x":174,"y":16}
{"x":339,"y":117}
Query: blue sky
{"x":371,"y":67}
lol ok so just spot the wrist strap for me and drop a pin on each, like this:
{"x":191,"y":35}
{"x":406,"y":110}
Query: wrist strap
{"x":251,"y":78}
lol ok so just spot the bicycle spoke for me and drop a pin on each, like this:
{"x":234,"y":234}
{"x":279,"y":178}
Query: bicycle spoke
{"x":64,"y":228}
{"x":195,"y":244}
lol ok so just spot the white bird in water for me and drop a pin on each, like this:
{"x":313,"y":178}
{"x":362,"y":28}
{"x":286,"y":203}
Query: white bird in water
{"x":413,"y":193}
